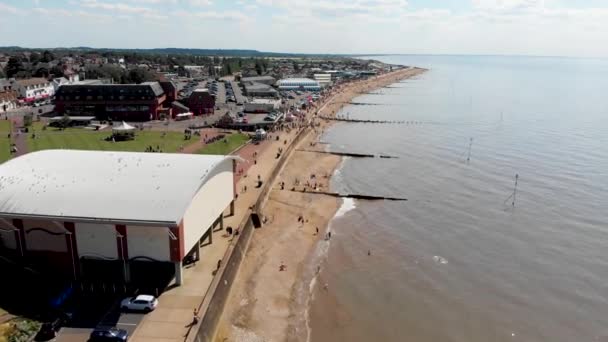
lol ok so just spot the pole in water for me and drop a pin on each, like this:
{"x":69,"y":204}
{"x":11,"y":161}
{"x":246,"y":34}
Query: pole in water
{"x":470,"y":146}
{"x":515,"y":189}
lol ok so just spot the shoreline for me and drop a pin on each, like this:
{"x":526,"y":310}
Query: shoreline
{"x":265,"y":302}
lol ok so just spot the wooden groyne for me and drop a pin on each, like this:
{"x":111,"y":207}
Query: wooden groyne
{"x":349,"y":154}
{"x":354,"y":196}
{"x":331,"y":118}
{"x":362,"y":104}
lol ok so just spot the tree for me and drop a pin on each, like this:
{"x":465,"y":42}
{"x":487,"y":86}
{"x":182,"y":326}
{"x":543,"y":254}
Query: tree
{"x":41,"y":72}
{"x":216,"y":60}
{"x":34,"y":57}
{"x":64,"y":122}
{"x":13,"y":66}
{"x":27,"y":120}
{"x":211,"y":70}
{"x":56,"y":71}
{"x":139,"y":75}
{"x":47,"y":56}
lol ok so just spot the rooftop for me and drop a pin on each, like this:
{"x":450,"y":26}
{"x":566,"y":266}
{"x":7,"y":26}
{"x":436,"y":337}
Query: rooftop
{"x":32,"y":81}
{"x":100,"y":186}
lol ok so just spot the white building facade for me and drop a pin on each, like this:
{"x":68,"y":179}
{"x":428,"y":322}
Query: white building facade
{"x":34,"y":89}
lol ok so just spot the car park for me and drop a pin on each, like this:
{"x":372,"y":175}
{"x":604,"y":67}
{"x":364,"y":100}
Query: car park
{"x":145,"y":303}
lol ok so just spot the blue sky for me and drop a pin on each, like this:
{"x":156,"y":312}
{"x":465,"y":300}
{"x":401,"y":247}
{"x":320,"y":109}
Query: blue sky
{"x":508,"y":27}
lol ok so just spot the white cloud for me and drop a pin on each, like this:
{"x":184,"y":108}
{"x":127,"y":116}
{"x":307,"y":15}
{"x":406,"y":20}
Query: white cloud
{"x":122,"y":8}
{"x":156,"y":2}
{"x":338,"y":8}
{"x":507,"y":5}
{"x":213,"y":15}
{"x":201,"y":2}
{"x":8,"y":9}
{"x":57,"y":12}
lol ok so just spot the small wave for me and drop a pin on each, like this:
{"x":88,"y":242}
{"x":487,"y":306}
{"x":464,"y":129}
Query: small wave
{"x":348,"y":204}
{"x":440,"y":260}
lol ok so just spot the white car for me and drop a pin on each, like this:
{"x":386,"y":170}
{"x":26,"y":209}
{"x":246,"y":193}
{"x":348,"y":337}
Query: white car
{"x":145,"y":303}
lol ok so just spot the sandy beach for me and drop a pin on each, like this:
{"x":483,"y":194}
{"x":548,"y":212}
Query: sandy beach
{"x":269,"y":298}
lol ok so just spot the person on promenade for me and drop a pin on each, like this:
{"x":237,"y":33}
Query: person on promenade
{"x":195,"y":316}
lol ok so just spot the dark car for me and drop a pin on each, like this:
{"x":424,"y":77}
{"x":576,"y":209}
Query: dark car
{"x":108,"y":335}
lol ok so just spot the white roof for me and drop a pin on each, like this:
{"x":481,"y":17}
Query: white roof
{"x":297,"y":80}
{"x":123,"y":127}
{"x":264,"y":101}
{"x":147,"y":298}
{"x":129,"y":187}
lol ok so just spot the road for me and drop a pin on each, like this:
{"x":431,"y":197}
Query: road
{"x":238,"y":94}
{"x":21,"y":111}
{"x":87,"y":321}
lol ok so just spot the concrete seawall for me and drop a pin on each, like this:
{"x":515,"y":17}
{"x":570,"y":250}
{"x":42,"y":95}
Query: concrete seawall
{"x":215,"y":299}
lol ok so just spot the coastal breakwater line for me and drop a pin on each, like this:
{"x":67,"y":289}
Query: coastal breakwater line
{"x":350,"y":154}
{"x":332,"y":118}
{"x":219,"y":291}
{"x":353,"y":196}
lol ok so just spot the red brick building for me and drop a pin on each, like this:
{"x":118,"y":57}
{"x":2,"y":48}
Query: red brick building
{"x":201,"y":102}
{"x":128,"y":102}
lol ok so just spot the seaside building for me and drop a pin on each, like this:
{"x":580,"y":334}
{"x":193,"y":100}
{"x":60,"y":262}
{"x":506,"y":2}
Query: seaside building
{"x":201,"y":102}
{"x":324,"y":80}
{"x":34,"y":89}
{"x":298,"y":84}
{"x":8,"y":100}
{"x":262,"y":106}
{"x":268,"y":80}
{"x":121,"y":102}
{"x":112,"y":216}
{"x":255,"y":89}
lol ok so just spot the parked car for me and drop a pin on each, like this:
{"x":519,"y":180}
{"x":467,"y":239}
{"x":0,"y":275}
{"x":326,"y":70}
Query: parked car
{"x":108,"y":335}
{"x":145,"y":303}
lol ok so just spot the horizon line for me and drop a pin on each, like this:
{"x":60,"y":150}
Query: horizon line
{"x":311,"y":54}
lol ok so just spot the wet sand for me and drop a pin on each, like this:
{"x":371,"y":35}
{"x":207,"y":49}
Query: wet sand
{"x":269,"y":302}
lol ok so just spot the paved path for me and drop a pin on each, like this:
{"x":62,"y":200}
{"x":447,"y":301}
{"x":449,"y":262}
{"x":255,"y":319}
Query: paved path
{"x":18,"y":138}
{"x":171,"y":321}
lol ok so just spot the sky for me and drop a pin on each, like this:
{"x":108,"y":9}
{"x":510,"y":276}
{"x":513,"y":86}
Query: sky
{"x":497,"y":27}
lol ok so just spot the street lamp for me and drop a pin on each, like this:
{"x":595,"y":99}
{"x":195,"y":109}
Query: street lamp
{"x":68,"y":233}
{"x":122,"y":256}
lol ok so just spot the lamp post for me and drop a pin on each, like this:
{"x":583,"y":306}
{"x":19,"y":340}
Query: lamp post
{"x":122,"y":256}
{"x":71,"y":241}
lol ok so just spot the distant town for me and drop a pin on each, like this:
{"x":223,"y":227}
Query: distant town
{"x":81,"y":83}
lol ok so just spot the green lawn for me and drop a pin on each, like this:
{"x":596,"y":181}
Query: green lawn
{"x":223,"y":148}
{"x":81,"y":139}
{"x":5,"y":128}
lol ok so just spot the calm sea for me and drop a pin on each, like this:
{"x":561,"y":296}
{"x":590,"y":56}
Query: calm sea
{"x":457,"y":261}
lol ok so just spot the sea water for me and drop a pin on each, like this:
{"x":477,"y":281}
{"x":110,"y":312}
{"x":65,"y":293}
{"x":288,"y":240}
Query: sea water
{"x":459,"y":261}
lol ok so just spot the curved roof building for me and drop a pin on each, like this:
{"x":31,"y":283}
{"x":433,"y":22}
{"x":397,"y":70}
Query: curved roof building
{"x":298,"y":84}
{"x":60,"y":206}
